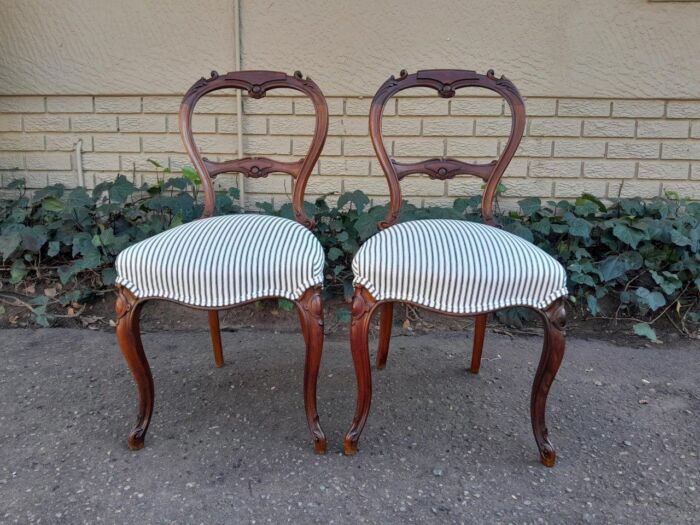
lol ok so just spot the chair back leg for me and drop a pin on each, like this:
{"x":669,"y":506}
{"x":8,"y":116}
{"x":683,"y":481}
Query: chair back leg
{"x":386,"y":318}
{"x":479,"y":334}
{"x":216,"y":338}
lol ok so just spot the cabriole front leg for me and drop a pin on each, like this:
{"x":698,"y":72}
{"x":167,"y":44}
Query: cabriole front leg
{"x":310,"y":307}
{"x":128,"y":310}
{"x":362,"y":306}
{"x":552,"y":355}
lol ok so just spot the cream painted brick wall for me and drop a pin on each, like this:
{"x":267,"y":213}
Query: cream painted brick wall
{"x":607,"y":147}
{"x":118,"y":104}
{"x":584,"y":108}
{"x":690,"y":109}
{"x":10,"y":123}
{"x":638,"y":108}
{"x":69,"y":104}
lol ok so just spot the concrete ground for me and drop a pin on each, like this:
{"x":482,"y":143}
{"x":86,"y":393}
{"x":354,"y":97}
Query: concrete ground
{"x":441,"y":445}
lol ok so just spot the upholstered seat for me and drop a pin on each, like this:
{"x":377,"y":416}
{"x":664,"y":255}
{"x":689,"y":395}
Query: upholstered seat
{"x":457,"y":267}
{"x":223,"y":261}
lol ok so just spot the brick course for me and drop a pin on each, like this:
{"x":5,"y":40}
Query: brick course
{"x":601,"y":146}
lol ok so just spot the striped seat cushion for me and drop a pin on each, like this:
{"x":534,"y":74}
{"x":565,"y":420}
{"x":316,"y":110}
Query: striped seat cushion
{"x":457,"y":267}
{"x":223,"y":261}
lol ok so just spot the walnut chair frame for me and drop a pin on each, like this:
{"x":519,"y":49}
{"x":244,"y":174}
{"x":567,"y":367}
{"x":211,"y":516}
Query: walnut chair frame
{"x":309,"y":305}
{"x":446,"y":82}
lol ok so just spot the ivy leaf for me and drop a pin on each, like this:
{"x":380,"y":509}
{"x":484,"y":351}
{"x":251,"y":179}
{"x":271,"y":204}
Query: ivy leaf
{"x":521,"y":231}
{"x":55,"y":191}
{"x":654,"y":300}
{"x":179,"y":183}
{"x":54,"y":248}
{"x":629,"y":235}
{"x":53,"y":204}
{"x":592,"y":303}
{"x":577,"y":226}
{"x":191,"y":175}
{"x":18,"y":271}
{"x":287,"y":211}
{"x":530,"y":205}
{"x":108,"y":276}
{"x":285,"y":304}
{"x":587,"y":197}
{"x":348,"y":289}
{"x":679,"y":239}
{"x":544,"y":226}
{"x":334,"y":254}
{"x":366,"y":226}
{"x":644,"y":330}
{"x":668,"y":282}
{"x":82,"y":245}
{"x":39,"y":317}
{"x":343,"y":315}
{"x":8,"y":244}
{"x":632,"y":207}
{"x":16,"y":184}
{"x":357,"y":197}
{"x":585,"y":207}
{"x":121,"y":190}
{"x":611,"y":268}
{"x":581,"y":278}
{"x":78,"y":198}
{"x":34,"y":238}
{"x":66,"y":273}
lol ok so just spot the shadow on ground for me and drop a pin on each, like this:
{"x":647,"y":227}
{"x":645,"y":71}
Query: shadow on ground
{"x":231,"y":445}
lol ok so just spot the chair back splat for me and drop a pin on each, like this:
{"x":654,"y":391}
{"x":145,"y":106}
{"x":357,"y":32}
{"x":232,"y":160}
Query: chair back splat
{"x":445,"y":82}
{"x":257,"y":84}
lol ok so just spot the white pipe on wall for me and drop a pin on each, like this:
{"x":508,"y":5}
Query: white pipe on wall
{"x":79,"y":162}
{"x":239,"y":99}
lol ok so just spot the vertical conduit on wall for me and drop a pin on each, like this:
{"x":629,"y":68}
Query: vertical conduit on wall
{"x":79,"y":163}
{"x":239,"y":100}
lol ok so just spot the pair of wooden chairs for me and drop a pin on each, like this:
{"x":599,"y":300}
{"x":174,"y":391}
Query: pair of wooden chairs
{"x":449,"y":266}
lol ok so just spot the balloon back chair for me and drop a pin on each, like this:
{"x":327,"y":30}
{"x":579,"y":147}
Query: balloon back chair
{"x":215,"y":263}
{"x":451,"y":266}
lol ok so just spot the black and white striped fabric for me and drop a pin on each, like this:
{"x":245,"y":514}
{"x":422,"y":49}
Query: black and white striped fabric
{"x":223,"y":261}
{"x":457,"y":267}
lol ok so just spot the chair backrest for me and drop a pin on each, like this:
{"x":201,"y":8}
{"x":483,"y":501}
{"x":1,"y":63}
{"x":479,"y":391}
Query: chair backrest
{"x":445,"y":82}
{"x":257,"y":84}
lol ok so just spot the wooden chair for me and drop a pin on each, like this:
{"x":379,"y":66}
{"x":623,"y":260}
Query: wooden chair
{"x":215,"y":263}
{"x":450,"y":266}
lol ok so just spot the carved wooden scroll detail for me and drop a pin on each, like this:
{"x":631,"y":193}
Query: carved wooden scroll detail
{"x":443,"y":169}
{"x":254,"y":167}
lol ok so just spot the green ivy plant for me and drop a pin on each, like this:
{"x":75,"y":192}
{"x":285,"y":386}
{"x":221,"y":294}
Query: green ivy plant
{"x":67,"y":240}
{"x":634,"y":259}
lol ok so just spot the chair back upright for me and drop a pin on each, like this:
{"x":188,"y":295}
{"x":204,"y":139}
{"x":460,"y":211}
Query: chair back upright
{"x":446,"y":82}
{"x":256,"y":84}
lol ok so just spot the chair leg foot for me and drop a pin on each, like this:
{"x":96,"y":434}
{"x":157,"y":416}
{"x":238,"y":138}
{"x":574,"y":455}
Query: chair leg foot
{"x":362,"y":306}
{"x":310,"y":307}
{"x":349,"y":447}
{"x":216,"y":338}
{"x":478,"y":345}
{"x":128,"y":310}
{"x":386,"y":317}
{"x":552,"y":355}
